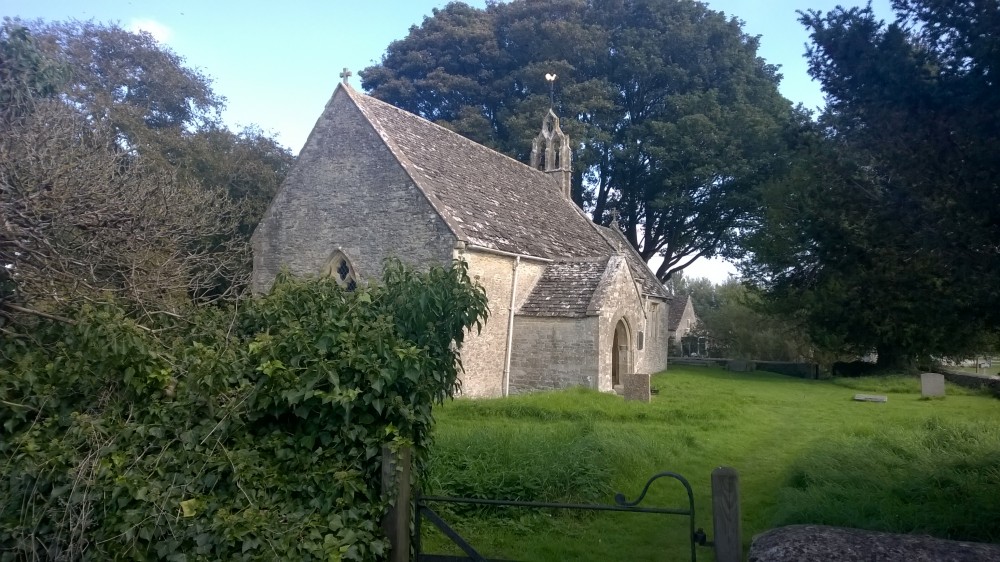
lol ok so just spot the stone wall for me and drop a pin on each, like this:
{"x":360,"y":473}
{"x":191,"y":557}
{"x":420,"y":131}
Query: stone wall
{"x":973,"y":380}
{"x":801,"y":370}
{"x":484,"y":354}
{"x":553,"y":353}
{"x":347,"y":191}
{"x":820,"y":543}
{"x":653,"y":357}
{"x":617,"y":299}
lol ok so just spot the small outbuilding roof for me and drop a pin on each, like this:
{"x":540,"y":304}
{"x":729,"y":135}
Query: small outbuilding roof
{"x":565,"y":289}
{"x":677,"y":312}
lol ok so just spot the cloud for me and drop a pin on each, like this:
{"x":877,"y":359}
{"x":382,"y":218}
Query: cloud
{"x":159,"y":31}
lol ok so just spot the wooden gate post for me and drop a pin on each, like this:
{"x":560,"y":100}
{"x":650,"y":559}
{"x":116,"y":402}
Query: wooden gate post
{"x":728,"y":527}
{"x":396,"y":482}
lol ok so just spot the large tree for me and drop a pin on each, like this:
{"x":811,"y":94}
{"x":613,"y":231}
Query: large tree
{"x":116,"y":175}
{"x":162,"y":110}
{"x":676,"y":117}
{"x":886,"y":234}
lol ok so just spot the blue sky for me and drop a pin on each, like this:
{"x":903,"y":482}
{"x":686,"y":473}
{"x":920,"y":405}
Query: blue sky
{"x":277,"y":63}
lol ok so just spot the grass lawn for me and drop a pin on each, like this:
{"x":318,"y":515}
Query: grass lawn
{"x":805,"y":451}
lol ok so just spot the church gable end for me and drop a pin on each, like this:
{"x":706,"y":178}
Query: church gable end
{"x":347,"y":190}
{"x":491,"y":201}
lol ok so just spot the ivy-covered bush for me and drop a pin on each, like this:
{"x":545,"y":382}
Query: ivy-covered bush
{"x":232,"y":434}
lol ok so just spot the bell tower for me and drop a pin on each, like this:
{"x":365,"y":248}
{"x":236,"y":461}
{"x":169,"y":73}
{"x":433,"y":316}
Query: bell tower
{"x":550,"y":151}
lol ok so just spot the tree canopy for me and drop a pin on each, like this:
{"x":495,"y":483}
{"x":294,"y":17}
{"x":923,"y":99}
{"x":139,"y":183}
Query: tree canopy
{"x":885,"y":232}
{"x":117,"y":176}
{"x":676,"y":117}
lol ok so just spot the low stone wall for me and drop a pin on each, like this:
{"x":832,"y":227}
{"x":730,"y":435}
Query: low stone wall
{"x":792,"y":369}
{"x":819,"y":543}
{"x":698,"y":361}
{"x":972,"y":380}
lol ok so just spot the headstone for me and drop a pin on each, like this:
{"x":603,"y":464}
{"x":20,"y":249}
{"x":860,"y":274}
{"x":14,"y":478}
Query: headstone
{"x":636,"y":387}
{"x":870,"y":398}
{"x":931,"y":385}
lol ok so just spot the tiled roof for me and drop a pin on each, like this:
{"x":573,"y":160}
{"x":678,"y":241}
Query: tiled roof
{"x":488,"y":199}
{"x":565,"y":289}
{"x":677,"y":309}
{"x":646,"y":278}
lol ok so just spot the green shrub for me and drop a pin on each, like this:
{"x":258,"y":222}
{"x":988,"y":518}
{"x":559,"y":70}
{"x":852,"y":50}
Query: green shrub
{"x":234,"y":434}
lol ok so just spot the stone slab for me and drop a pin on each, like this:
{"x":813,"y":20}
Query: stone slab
{"x":931,"y":385}
{"x":871,"y":398}
{"x":816,"y":543}
{"x":636,"y":387}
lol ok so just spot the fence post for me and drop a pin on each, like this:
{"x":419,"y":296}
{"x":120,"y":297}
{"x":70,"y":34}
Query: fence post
{"x":396,"y":482}
{"x":728,"y":527}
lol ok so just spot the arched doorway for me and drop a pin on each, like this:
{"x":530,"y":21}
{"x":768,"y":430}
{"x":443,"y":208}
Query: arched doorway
{"x":620,"y":346}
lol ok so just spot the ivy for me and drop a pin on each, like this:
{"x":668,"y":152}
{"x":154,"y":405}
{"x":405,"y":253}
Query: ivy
{"x":243,"y":433}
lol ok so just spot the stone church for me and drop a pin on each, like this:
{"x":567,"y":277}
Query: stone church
{"x":571,"y":303}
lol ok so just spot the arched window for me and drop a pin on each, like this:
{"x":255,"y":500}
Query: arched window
{"x":340,"y":268}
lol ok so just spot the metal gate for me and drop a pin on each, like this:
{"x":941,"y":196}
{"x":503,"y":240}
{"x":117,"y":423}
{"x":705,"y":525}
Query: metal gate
{"x":424,"y":511}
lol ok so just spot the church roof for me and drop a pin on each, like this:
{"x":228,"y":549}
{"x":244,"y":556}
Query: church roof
{"x":565,"y":289}
{"x":649,"y":282}
{"x":486,"y":198}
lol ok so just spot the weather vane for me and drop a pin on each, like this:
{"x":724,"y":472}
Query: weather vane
{"x":551,"y":79}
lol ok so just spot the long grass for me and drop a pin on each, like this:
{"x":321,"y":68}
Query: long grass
{"x":933,"y":477}
{"x":805,"y":451}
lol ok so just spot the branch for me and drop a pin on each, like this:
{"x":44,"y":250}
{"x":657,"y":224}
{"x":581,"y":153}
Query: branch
{"x":16,"y":405}
{"x":40,"y":313}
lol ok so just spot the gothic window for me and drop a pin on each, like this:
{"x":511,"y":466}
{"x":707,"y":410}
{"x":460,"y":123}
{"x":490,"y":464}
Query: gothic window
{"x":339,"y":267}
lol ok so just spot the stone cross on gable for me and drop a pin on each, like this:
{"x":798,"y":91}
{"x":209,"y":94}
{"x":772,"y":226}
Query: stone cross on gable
{"x":345,"y":74}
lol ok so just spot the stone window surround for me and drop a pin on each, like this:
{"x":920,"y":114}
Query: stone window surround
{"x":341,"y":269}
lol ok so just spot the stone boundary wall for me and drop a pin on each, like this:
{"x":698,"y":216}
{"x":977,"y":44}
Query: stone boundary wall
{"x":698,"y":361}
{"x":972,"y":380}
{"x":789,"y":368}
{"x":820,"y":543}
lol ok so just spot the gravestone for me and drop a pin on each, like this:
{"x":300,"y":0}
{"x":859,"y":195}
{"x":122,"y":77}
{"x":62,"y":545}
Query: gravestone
{"x":636,"y":387}
{"x":871,"y":398}
{"x":931,"y":385}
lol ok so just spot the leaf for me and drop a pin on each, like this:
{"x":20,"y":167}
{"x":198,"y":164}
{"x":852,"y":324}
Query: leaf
{"x":189,"y":508}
